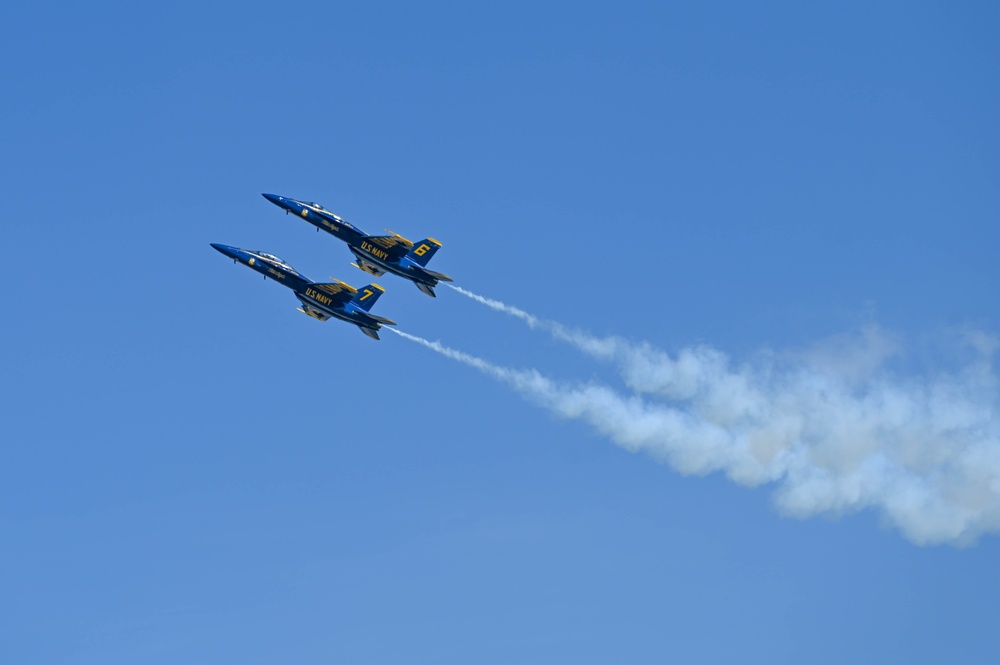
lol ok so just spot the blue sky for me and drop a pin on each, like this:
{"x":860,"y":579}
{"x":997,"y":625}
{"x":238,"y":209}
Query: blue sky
{"x":193,"y":471}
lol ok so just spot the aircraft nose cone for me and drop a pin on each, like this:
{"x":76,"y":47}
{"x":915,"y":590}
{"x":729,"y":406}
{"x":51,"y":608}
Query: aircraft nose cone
{"x":225,"y":249}
{"x":273,"y":198}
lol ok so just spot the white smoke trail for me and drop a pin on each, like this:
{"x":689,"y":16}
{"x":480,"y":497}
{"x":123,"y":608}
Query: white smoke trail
{"x":597,"y":347}
{"x":628,"y":421}
{"x":510,"y":376}
{"x":531,"y":320}
{"x":832,"y":427}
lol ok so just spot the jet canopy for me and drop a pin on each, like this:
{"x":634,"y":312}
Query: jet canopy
{"x":274,"y":259}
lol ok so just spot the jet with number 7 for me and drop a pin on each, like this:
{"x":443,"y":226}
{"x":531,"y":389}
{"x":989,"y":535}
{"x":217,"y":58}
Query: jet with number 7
{"x":376,"y":255}
{"x":322,"y":301}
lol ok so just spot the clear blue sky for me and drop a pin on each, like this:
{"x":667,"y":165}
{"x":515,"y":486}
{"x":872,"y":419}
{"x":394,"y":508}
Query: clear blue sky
{"x":192,"y":471}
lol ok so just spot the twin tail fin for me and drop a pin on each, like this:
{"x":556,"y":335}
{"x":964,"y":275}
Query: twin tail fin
{"x":367,"y":295}
{"x":423,"y":251}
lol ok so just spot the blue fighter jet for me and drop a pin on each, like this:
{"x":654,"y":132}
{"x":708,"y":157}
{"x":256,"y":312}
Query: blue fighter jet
{"x":376,"y":255}
{"x":321,"y":301}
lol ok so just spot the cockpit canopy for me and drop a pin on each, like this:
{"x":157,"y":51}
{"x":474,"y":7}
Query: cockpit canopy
{"x":335,"y":216}
{"x":274,"y":259}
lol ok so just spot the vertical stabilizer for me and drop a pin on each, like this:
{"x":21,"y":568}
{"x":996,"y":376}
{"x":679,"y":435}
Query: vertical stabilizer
{"x":423,"y":251}
{"x":367,"y":296}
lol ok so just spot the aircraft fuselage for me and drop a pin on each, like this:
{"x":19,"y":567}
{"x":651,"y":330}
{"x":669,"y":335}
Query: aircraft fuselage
{"x":308,"y":292}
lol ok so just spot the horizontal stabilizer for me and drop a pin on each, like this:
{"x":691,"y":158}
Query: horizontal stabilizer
{"x":439,"y":276}
{"x":381,"y":320}
{"x":371,"y":332}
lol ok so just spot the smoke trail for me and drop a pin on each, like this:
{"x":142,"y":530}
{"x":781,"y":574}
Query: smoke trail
{"x":597,"y":347}
{"x":532,"y":321}
{"x":484,"y":366}
{"x":833,"y":427}
{"x":629,"y":421}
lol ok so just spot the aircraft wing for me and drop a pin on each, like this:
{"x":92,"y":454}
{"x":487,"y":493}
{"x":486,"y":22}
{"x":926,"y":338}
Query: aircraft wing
{"x":396,"y":245}
{"x":338,"y":292}
{"x":332,"y":295}
{"x":379,"y":319}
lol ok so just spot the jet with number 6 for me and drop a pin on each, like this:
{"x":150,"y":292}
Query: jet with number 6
{"x":376,"y":255}
{"x":322,"y":301}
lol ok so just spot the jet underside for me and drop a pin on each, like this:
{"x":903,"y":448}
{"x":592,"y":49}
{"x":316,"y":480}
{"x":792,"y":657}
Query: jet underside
{"x":327,"y":312}
{"x":377,"y":267}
